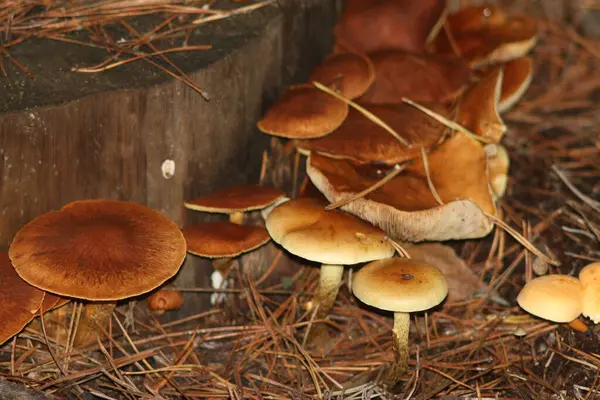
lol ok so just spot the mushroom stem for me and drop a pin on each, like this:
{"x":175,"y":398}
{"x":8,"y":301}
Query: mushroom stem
{"x":236,"y":218}
{"x":329,"y":285}
{"x":400,"y":346}
{"x":92,"y":316}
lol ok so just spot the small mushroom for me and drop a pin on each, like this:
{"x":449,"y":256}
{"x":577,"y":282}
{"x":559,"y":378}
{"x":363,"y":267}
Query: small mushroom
{"x":557,"y":298}
{"x":223,"y":239}
{"x":350,"y":73}
{"x":590,"y":281}
{"x":98,"y":250}
{"x":498,"y":166}
{"x":304,"y":112}
{"x":361,"y":140}
{"x":20,"y":301}
{"x":421,"y":78}
{"x":164,"y":300}
{"x":333,"y":238}
{"x":236,"y":200}
{"x":405,"y":207}
{"x":402,"y":286}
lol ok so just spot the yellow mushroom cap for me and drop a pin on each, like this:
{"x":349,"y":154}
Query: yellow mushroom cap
{"x":400,"y":285}
{"x":554,"y":297}
{"x":590,"y":282}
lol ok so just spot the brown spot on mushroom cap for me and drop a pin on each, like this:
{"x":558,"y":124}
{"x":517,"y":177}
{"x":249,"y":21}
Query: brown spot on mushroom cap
{"x":404,"y":207}
{"x":304,"y":112}
{"x":351,"y":74}
{"x":236,"y":199}
{"x":98,"y":250}
{"x":487,"y":34}
{"x":370,"y":25}
{"x":304,"y":228}
{"x":478,"y":107}
{"x":361,"y":140}
{"x":421,"y":78}
{"x":223,"y":239}
{"x":400,"y":285}
{"x":518,"y":75}
{"x":20,"y":301}
{"x":557,"y":298}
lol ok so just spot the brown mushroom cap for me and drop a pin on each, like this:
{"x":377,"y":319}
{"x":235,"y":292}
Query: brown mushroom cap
{"x":164,"y":300}
{"x":487,"y":34}
{"x":518,"y":75}
{"x":350,"y":73}
{"x":404,"y":207}
{"x":98,"y":250}
{"x":223,"y":239}
{"x":361,"y":140}
{"x":50,"y":301}
{"x":304,"y":112}
{"x":478,"y":107}
{"x":400,"y":285}
{"x":370,"y":25}
{"x":421,"y":78}
{"x":20,"y":301}
{"x":237,"y":198}
{"x":304,"y":228}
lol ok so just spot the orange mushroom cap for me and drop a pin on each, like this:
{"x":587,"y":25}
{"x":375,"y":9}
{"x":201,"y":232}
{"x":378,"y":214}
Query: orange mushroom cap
{"x":223,"y":239}
{"x":238,"y":198}
{"x":351,"y":74}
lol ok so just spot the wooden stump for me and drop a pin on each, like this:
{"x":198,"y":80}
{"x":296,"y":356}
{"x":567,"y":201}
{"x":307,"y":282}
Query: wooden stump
{"x":66,"y":135}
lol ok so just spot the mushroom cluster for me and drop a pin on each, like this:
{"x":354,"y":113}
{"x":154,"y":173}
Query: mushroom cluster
{"x":97,"y":251}
{"x":401,"y":127}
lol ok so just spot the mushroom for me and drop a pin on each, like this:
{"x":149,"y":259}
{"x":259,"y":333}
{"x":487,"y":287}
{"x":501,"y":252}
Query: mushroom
{"x":421,"y":78}
{"x":402,"y":286}
{"x":304,"y":112}
{"x":478,"y":107}
{"x":590,"y":282}
{"x":352,"y":74}
{"x":557,"y":298}
{"x":164,"y":300}
{"x":20,"y":301}
{"x":333,"y":238}
{"x":518,"y":75}
{"x":369,"y":25}
{"x":236,"y":200}
{"x":498,"y":165}
{"x":223,"y":239}
{"x":360,"y":140}
{"x":100,"y":251}
{"x":405,"y":207}
{"x":484,"y":35}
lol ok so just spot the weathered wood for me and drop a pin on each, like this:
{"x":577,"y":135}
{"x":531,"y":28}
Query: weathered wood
{"x":66,"y":136}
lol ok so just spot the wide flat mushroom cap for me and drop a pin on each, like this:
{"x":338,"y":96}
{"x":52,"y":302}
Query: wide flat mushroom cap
{"x":590,"y":281}
{"x":478,"y":107}
{"x":304,"y":112}
{"x":98,"y":250}
{"x":370,"y":25}
{"x":421,"y":78}
{"x":518,"y":75}
{"x":360,"y":139}
{"x":405,"y":207}
{"x":237,"y":198}
{"x":487,"y":34}
{"x":223,"y":239}
{"x":350,"y":73}
{"x":304,"y":228}
{"x":556,"y":298}
{"x":20,"y":301}
{"x":400,"y":285}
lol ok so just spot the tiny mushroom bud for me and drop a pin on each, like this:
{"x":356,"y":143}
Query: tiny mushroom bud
{"x":164,"y":300}
{"x":557,"y":298}
{"x":402,"y":286}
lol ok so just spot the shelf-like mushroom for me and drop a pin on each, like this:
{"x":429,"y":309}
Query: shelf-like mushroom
{"x":350,"y":73}
{"x":361,"y":140}
{"x":405,"y":207}
{"x":333,"y":238}
{"x":20,"y":301}
{"x":304,"y":112}
{"x":98,"y":250}
{"x":402,"y":286}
